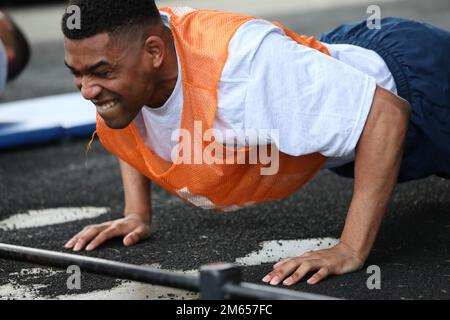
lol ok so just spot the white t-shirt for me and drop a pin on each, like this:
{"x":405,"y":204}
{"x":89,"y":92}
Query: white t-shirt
{"x":317,"y":102}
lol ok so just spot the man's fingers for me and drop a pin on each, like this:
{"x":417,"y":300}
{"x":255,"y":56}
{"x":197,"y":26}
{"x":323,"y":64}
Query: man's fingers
{"x":307,"y":254}
{"x":85,"y":237}
{"x":103,"y":236}
{"x":95,"y":235}
{"x":74,"y":240}
{"x":137,"y":235}
{"x":70,"y":243}
{"x":281,"y":262}
{"x":302,"y":270}
{"x":276,"y":276}
{"x":319,"y":276}
{"x":131,"y":239}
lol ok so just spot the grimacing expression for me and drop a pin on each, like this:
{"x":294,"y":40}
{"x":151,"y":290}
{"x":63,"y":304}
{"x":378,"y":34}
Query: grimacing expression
{"x":117,"y":78}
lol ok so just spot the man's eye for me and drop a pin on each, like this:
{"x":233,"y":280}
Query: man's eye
{"x":75,"y":74}
{"x":104,"y":74}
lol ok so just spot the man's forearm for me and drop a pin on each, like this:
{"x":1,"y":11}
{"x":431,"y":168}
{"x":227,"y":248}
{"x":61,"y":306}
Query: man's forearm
{"x":137,"y":190}
{"x":378,"y":158}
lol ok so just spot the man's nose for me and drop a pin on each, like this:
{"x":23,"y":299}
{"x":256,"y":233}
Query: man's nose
{"x":89,"y":90}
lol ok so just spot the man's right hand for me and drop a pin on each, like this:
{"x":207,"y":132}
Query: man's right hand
{"x":133,"y":228}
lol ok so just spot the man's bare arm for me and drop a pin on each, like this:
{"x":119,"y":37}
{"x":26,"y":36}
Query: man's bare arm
{"x":134,"y":227}
{"x":378,"y":157}
{"x":137,"y":191}
{"x":377,"y":163}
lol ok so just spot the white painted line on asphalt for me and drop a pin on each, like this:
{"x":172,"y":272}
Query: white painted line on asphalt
{"x":46,"y":217}
{"x":130,"y":290}
{"x":125,"y":290}
{"x":35,"y":273}
{"x":275,"y":250}
{"x":15,"y":291}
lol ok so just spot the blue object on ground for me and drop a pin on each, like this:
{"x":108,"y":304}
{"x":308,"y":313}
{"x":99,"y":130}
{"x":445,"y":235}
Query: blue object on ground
{"x":45,"y":119}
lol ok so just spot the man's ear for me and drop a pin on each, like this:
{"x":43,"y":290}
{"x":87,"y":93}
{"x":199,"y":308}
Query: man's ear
{"x":155,"y":48}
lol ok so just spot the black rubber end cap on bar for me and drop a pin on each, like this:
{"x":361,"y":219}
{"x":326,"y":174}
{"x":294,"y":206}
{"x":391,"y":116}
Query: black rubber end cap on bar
{"x":214,"y":277}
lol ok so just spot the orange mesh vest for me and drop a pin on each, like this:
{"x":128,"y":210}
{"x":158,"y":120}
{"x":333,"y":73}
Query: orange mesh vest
{"x":201,"y":38}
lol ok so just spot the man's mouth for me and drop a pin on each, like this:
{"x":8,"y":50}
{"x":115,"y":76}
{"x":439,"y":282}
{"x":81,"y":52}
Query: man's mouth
{"x":106,"y":106}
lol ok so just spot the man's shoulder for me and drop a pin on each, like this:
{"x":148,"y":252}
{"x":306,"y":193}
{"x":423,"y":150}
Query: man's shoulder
{"x":249,"y":36}
{"x":245,"y":44}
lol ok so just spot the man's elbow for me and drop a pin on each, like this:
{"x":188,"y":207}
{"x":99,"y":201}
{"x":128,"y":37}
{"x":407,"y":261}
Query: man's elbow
{"x":393,"y":109}
{"x":388,"y":120}
{"x":401,"y":112}
{"x":404,"y":107}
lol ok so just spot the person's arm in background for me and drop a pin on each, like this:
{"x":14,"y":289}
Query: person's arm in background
{"x":377,"y":162}
{"x":134,"y":227}
{"x":16,"y":46}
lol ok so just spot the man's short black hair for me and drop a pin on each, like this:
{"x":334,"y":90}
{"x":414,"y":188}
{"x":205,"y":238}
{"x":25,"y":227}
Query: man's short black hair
{"x":110,"y":16}
{"x":21,"y":49}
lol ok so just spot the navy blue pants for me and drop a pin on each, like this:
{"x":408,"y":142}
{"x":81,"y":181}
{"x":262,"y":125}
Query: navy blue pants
{"x":418,"y":56}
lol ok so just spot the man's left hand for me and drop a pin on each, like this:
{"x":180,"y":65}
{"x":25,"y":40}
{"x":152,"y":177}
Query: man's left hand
{"x":337,"y":260}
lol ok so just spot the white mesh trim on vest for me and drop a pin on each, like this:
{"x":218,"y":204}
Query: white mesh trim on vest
{"x":180,"y":11}
{"x":205,"y":203}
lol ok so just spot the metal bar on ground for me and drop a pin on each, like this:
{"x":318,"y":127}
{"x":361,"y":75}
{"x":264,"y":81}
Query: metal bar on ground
{"x":247,"y":290}
{"x":101,"y":267}
{"x":223,"y":279}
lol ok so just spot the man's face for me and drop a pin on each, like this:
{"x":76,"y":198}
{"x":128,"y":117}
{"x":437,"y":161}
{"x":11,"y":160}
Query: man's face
{"x":117,"y":78}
